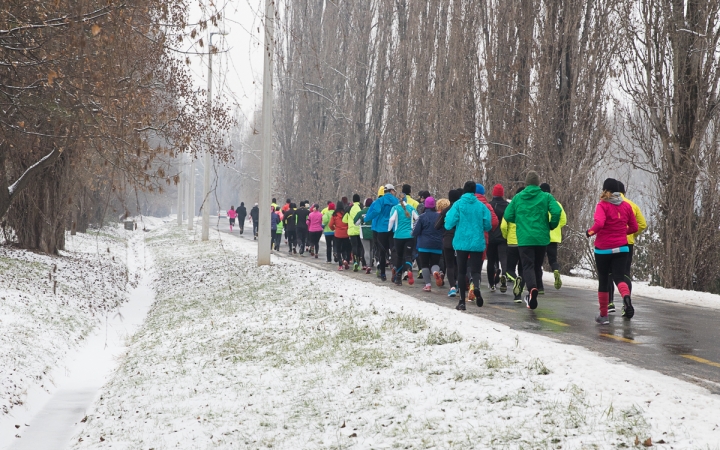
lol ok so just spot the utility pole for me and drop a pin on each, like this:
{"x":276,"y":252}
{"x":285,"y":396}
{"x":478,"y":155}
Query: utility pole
{"x":267,"y":135}
{"x":181,"y":179}
{"x":205,"y":235}
{"x":191,"y":193}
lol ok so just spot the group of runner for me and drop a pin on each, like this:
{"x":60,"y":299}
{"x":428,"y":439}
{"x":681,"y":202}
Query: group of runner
{"x":450,"y":238}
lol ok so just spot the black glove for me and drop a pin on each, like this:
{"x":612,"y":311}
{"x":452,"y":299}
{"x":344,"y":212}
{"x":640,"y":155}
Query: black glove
{"x":588,"y":234}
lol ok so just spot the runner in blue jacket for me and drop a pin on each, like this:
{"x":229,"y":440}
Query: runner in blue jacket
{"x":379,"y":215}
{"x":471,"y":220}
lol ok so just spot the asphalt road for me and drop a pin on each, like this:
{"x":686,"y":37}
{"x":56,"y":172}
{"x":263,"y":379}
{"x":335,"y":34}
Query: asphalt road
{"x":671,"y":338}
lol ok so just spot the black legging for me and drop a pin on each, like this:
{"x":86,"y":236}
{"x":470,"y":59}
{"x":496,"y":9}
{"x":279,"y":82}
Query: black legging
{"x":513,"y":263}
{"x":255,"y":228}
{"x":342,"y":248}
{"x":403,"y":254}
{"x":291,"y":238}
{"x":382,"y":245}
{"x":628,"y":279}
{"x":450,"y":266}
{"x":329,"y":246}
{"x":532,"y":258}
{"x":358,"y":250}
{"x":302,"y":238}
{"x":497,"y":260}
{"x":475,"y":261}
{"x":610,"y":265}
{"x":315,"y":240}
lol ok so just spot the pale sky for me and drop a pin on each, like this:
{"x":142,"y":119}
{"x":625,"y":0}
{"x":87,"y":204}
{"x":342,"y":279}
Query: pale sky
{"x":238,"y":65}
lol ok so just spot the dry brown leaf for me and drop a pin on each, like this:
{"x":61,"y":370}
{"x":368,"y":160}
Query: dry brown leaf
{"x":51,"y":77}
{"x":95,"y":29}
{"x":647,"y":442}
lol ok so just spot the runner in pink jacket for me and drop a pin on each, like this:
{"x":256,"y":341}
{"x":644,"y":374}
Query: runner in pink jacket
{"x":231,"y":216}
{"x":315,"y":229}
{"x":613,"y":221}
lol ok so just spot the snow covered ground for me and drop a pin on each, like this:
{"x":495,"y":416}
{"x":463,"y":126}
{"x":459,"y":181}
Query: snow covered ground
{"x":287,"y":356}
{"x":48,"y":305}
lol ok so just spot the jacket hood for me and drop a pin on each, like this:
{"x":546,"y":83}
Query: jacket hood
{"x":468,"y":198}
{"x":615,"y":198}
{"x":531,"y":191}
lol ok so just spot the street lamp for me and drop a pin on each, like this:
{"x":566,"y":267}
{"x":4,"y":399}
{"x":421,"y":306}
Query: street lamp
{"x":207,"y":159}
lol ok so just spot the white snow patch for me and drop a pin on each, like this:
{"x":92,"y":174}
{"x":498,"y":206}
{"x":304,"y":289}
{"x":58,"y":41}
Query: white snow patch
{"x":288,"y":356}
{"x":48,"y":306}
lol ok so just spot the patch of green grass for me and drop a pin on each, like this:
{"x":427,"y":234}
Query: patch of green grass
{"x":441,"y":338}
{"x":536,"y":366}
{"x":407,"y":322}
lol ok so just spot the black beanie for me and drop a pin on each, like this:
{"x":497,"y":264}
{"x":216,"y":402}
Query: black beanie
{"x":545,"y":187}
{"x":406,"y":189}
{"x":621,"y":187}
{"x":610,"y":185}
{"x":469,"y":187}
{"x":356,"y":198}
{"x":454,"y":195}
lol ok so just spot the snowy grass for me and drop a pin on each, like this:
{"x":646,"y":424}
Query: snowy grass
{"x":286,"y":356}
{"x":49,"y":304}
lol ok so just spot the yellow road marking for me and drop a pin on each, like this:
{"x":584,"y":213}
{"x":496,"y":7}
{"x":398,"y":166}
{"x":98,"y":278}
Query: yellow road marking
{"x":554,"y":322}
{"x":701,"y":360}
{"x":612,"y":336}
{"x":500,"y":307}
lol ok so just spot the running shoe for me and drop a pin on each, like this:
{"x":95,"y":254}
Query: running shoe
{"x":517,"y":286}
{"x":532,"y":301}
{"x":346,"y":264}
{"x":471,"y":292}
{"x":478,"y":298}
{"x":452,"y":292}
{"x":398,"y":281}
{"x":419,"y":277}
{"x":611,"y":307}
{"x":368,"y":270}
{"x":461,"y":305}
{"x":602,"y":320}
{"x":541,"y":291}
{"x":426,"y":288}
{"x":356,"y":267}
{"x":517,"y":299}
{"x":392,"y":275}
{"x":340,"y":268}
{"x":503,"y":284}
{"x":383,"y":277}
{"x":438,"y":278}
{"x":628,"y":310}
{"x":492,"y":288}
{"x":411,"y":279}
{"x":558,"y":281}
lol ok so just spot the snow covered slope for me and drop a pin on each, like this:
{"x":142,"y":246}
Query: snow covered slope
{"x":48,"y":305}
{"x":236,"y":356}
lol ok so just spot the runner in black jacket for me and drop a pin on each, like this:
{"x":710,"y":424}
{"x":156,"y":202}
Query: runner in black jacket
{"x":255,"y":216}
{"x":241,"y":215}
{"x":497,"y":247}
{"x":448,"y":250}
{"x":301,"y":231}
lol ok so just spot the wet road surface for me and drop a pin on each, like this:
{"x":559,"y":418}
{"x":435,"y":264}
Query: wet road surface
{"x":674,"y":339}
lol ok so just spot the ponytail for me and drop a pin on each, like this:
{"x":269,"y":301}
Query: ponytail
{"x":402,"y":203}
